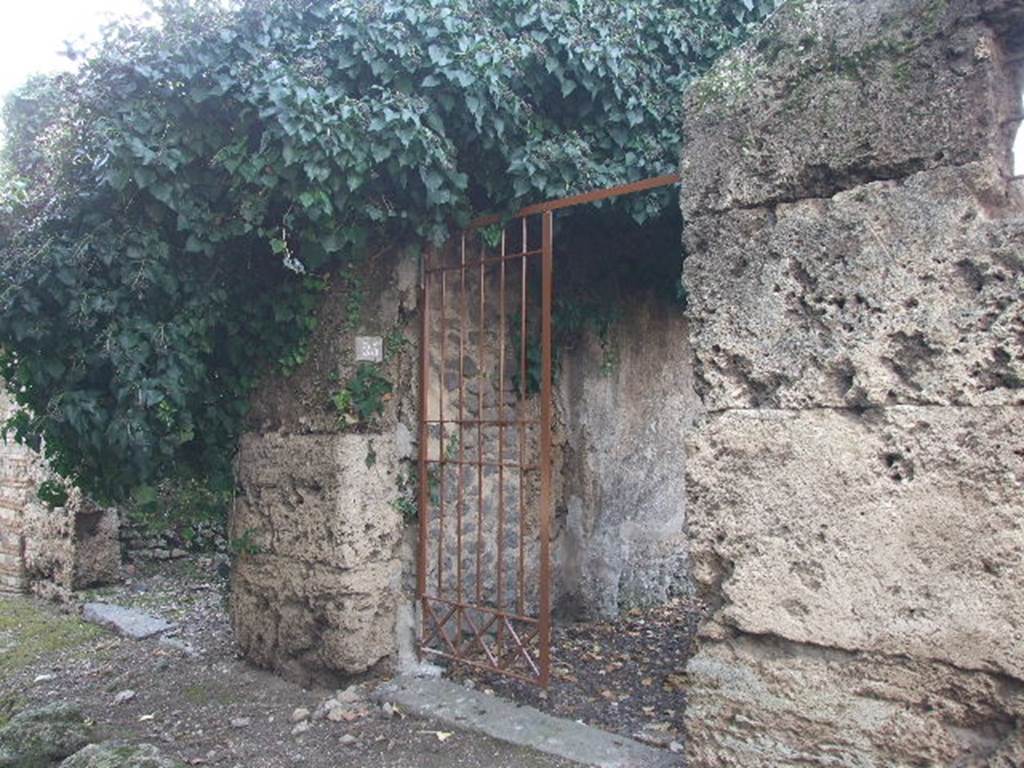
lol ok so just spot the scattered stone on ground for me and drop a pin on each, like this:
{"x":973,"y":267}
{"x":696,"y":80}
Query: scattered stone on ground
{"x":125,"y":621}
{"x":350,"y":695}
{"x":113,"y":754}
{"x":300,"y":714}
{"x":337,"y":713}
{"x":178,"y":645}
{"x":124,"y":696}
{"x":42,"y":736}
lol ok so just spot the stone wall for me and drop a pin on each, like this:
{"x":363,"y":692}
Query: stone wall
{"x":317,"y":583}
{"x":856,"y":490}
{"x":49,"y":551}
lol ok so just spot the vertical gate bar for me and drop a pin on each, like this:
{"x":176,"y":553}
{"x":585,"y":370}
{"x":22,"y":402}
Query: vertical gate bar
{"x":480,"y":435}
{"x":521,"y":578}
{"x":500,"y":602}
{"x":440,"y":437}
{"x":462,"y":418}
{"x":544,"y":625}
{"x":424,"y":489}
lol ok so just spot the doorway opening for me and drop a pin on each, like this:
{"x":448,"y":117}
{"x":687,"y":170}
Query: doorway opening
{"x":508,"y":480}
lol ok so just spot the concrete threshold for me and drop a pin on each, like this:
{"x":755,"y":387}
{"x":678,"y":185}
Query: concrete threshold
{"x":472,"y":710}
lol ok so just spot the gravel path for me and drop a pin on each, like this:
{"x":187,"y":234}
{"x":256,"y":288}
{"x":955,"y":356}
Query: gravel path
{"x":200,"y":703}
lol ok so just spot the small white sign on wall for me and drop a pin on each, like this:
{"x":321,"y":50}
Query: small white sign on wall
{"x":369,"y":349}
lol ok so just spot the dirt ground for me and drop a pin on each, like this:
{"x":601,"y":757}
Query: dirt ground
{"x":199,"y":702}
{"x":623,"y":676}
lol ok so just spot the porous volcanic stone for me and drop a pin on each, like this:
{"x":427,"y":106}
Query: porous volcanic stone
{"x":908,"y":292}
{"x":855,"y":493}
{"x":754,"y":702}
{"x":318,"y":597}
{"x":41,"y":737}
{"x":898,"y":530}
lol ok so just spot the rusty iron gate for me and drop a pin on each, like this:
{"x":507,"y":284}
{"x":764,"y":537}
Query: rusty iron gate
{"x":485,"y":486}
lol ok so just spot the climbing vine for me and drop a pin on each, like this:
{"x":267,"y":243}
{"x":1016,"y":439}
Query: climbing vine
{"x":361,"y":401}
{"x":169,"y":210}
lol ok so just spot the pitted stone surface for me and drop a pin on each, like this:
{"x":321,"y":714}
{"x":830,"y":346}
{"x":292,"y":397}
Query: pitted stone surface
{"x":314,"y":498}
{"x":855,"y":268}
{"x":50,"y":551}
{"x":316,"y":586}
{"x":898,"y":530}
{"x":317,"y":594}
{"x":907,"y":292}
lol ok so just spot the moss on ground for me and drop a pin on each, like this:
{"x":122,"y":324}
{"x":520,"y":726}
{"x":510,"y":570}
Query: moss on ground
{"x":10,"y":704}
{"x":29,"y":631}
{"x":206,"y":694}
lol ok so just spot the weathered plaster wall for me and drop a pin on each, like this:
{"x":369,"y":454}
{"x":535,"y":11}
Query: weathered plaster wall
{"x":856,"y":490}
{"x":622,"y":541}
{"x":49,"y":551}
{"x":316,"y":587}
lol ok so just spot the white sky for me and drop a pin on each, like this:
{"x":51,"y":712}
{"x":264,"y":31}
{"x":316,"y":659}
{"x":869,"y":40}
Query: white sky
{"x":1018,"y":152}
{"x":33,"y":34}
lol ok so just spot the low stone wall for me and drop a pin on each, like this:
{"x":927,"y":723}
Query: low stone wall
{"x":49,"y":551}
{"x":856,"y":274}
{"x":140,"y":543}
{"x":16,"y":485}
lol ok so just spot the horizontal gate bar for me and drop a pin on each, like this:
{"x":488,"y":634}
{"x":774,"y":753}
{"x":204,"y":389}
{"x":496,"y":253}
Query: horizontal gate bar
{"x":471,"y":463}
{"x":482,"y":261}
{"x":585,"y":197}
{"x":485,"y":422}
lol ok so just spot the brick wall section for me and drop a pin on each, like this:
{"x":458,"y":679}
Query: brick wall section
{"x":18,"y":469}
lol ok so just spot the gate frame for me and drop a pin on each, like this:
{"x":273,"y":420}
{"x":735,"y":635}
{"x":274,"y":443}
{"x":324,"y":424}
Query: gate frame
{"x":546,"y":211}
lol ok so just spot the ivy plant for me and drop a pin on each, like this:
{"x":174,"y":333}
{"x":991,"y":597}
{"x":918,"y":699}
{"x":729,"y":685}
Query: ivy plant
{"x":362,"y":399}
{"x":169,"y":209}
